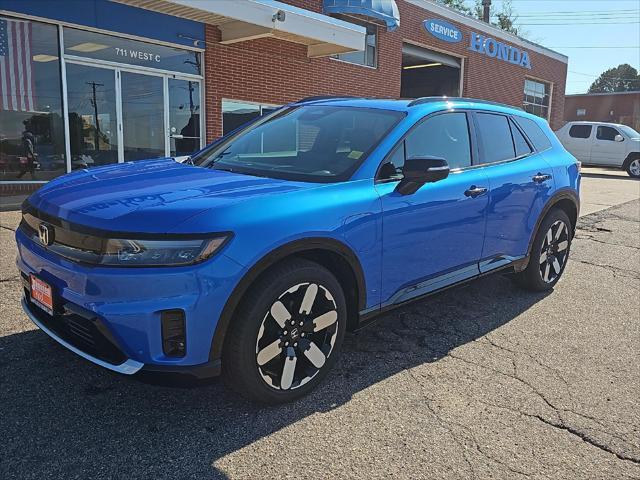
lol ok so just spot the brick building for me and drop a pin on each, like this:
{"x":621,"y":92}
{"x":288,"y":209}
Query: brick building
{"x":93,"y":82}
{"x":619,"y":107}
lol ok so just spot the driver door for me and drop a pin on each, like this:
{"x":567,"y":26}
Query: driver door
{"x":433,"y":237}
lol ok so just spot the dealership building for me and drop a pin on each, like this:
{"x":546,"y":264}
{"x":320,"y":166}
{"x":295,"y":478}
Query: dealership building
{"x":93,"y":82}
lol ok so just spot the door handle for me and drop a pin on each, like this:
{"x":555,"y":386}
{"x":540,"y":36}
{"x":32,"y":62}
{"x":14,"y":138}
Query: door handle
{"x":474,"y":191}
{"x":541,"y":177}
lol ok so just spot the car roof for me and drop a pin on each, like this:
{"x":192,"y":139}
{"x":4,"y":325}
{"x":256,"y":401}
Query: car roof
{"x":426,"y":104}
{"x":588,"y":122}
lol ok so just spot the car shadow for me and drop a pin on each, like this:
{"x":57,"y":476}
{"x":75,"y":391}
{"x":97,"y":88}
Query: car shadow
{"x":63,"y":417}
{"x":614,"y":174}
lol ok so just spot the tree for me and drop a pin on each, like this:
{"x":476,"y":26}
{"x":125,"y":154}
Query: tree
{"x":623,"y":78}
{"x":506,"y":18}
{"x":460,"y":5}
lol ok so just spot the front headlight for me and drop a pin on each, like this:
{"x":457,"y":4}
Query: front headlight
{"x":128,"y":252}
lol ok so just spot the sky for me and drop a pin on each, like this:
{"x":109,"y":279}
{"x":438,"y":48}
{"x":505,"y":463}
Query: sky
{"x":613,"y":26}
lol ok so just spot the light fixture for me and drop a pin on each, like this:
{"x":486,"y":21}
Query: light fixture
{"x":422,"y":66}
{"x":44,"y":58}
{"x":88,"y":47}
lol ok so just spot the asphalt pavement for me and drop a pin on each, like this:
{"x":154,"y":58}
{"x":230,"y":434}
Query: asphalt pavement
{"x":483,"y":381}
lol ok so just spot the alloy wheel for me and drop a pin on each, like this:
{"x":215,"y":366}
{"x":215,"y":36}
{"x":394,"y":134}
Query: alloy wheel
{"x":634,"y":167}
{"x":297,"y":335}
{"x":554,"y":251}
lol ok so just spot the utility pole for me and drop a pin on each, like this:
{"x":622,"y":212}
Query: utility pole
{"x":95,"y":112}
{"x":486,"y":8}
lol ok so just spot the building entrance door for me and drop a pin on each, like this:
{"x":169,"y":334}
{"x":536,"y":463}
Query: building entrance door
{"x":120,"y":114}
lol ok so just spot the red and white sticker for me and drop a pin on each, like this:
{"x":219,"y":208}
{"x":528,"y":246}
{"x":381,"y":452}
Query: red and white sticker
{"x":41,"y":294}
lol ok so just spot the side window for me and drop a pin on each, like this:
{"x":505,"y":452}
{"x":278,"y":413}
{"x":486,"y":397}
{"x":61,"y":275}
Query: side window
{"x":446,"y":136}
{"x":606,"y":133}
{"x":391,"y":169}
{"x":580,"y":131}
{"x":519,"y":142}
{"x":494,"y":131}
{"x":533,"y":131}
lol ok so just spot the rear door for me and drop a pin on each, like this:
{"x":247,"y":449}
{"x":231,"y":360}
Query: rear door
{"x":520,"y":183}
{"x":579,"y":140}
{"x":606,"y":151}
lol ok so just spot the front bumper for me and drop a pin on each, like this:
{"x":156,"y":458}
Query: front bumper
{"x":117,"y":310}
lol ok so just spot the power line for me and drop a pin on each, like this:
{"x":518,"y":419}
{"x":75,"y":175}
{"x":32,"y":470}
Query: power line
{"x":595,"y":46}
{"x":583,"y":23}
{"x":607,"y":77}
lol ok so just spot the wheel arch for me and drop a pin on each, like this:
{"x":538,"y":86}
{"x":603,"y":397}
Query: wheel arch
{"x":630,"y":157}
{"x":567,"y":200}
{"x":334,"y":255}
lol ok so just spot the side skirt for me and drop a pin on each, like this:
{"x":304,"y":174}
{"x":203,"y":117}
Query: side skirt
{"x":439,"y":284}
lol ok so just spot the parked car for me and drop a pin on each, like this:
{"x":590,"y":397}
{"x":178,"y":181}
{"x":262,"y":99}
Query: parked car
{"x":254,"y":258}
{"x":603,"y":144}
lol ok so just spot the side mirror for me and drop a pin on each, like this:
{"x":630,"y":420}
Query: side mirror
{"x":420,"y":170}
{"x":618,"y":138}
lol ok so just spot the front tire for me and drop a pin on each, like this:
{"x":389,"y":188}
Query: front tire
{"x":633,"y":167}
{"x":549,"y":253}
{"x":287,"y":333}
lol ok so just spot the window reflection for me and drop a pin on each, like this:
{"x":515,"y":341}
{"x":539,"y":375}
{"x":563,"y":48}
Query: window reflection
{"x":184,"y":116}
{"x":142,"y":116}
{"x":93,"y":135}
{"x":31,"y":124}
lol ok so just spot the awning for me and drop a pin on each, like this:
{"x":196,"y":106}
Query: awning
{"x":244,"y":20}
{"x":384,"y":10}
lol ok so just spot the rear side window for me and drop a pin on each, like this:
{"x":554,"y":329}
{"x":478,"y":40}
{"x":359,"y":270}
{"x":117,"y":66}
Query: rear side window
{"x":495,"y":134}
{"x":534,"y":132}
{"x":445,"y":136}
{"x":606,"y":133}
{"x":580,"y":131}
{"x":519,"y":142}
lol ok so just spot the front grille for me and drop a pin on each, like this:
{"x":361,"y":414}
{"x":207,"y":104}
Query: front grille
{"x":82,"y":329}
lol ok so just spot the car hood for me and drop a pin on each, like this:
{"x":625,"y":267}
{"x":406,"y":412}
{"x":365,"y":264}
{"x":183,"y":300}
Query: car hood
{"x":151,"y":196}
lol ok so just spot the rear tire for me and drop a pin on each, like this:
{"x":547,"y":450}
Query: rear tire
{"x":287,"y":333}
{"x":549,"y":253}
{"x":633,"y":167}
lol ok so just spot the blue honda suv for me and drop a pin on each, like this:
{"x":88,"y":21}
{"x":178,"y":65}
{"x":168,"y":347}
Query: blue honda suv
{"x":253,"y":258}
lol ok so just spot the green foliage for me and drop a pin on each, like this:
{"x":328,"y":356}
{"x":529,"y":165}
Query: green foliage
{"x":505,"y":19}
{"x":623,"y":78}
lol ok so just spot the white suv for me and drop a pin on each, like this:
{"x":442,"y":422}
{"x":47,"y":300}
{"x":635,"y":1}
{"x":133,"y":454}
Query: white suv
{"x":603,"y":144}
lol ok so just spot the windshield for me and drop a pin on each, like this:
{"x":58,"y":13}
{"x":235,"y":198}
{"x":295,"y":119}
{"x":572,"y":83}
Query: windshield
{"x":308,"y":143}
{"x":629,"y":132}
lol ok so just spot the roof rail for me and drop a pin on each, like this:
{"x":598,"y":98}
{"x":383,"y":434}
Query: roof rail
{"x":324,"y":97}
{"x":423,"y":100}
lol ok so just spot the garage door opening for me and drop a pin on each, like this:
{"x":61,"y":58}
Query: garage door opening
{"x":427,"y":73}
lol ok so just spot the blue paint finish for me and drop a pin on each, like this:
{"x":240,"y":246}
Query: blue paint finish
{"x":406,"y":246}
{"x":515,"y":204}
{"x":385,"y":10}
{"x":436,"y":230}
{"x":113,"y":17}
{"x":443,"y":30}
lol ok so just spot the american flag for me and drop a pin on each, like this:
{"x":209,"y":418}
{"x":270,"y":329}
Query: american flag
{"x":16,"y":66}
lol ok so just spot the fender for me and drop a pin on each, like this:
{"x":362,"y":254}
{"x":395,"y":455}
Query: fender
{"x":270,"y":259}
{"x":565,"y":193}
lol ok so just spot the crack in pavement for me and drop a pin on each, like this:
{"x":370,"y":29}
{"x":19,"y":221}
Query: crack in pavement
{"x":617,"y":271}
{"x":8,"y":228}
{"x":593,"y":239}
{"x":15,"y":278}
{"x":561,"y":422}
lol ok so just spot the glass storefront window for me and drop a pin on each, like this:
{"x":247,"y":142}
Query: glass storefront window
{"x":237,"y":113}
{"x":368,"y":56}
{"x":184,"y":116}
{"x":142,"y":116}
{"x":536,"y":98}
{"x":93,"y":134}
{"x":100,"y":46}
{"x":31,"y":124}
